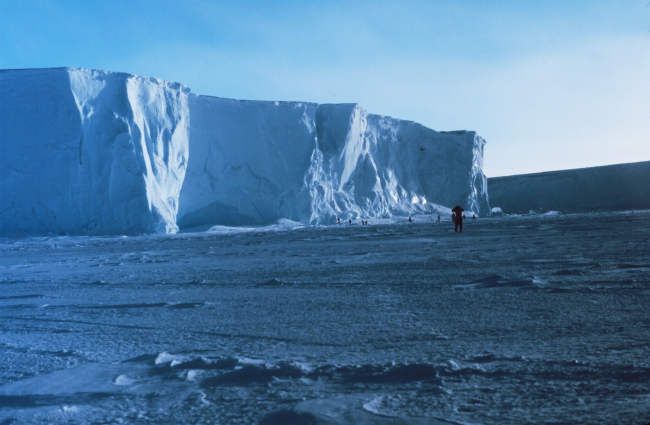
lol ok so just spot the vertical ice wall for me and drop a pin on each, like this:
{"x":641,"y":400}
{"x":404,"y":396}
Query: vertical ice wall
{"x":96,"y":152}
{"x":255,"y":162}
{"x":90,"y":152}
{"x":376,"y":166}
{"x":247,"y":161}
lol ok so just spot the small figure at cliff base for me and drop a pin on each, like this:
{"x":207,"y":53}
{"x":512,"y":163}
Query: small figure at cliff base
{"x":457,"y":218}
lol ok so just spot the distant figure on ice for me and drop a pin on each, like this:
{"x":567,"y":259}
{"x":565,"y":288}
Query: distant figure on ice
{"x":457,"y":217}
{"x":463,"y":216}
{"x":473,"y":216}
{"x":410,"y":219}
{"x":438,"y":218}
{"x":338,"y":220}
{"x":350,"y":221}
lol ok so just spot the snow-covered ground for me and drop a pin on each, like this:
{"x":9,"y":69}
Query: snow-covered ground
{"x":520,"y":319}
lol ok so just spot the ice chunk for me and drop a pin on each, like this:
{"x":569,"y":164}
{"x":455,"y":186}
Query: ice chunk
{"x":124,"y":380}
{"x":165,"y":357}
{"x":497,"y":211}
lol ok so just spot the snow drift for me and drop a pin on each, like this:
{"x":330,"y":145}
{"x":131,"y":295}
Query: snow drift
{"x":607,"y":188}
{"x":96,"y":152}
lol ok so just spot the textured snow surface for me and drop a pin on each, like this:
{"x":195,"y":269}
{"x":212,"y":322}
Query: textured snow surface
{"x":90,"y":152}
{"x":609,"y":188}
{"x":95,"y":152}
{"x":546,"y":323}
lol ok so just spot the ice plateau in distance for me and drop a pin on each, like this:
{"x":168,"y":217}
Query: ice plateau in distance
{"x":97,"y":152}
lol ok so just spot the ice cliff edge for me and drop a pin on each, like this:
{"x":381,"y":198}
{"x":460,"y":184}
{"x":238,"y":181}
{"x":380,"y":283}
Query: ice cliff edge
{"x":90,"y":152}
{"x":96,"y":152}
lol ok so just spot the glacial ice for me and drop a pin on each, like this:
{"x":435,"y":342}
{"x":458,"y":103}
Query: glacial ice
{"x":255,"y":162}
{"x":607,"y":188}
{"x":369,"y":165}
{"x":97,"y":152}
{"x":247,"y":162}
{"x":90,"y":152}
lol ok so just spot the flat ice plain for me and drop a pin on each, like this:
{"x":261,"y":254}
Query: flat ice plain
{"x":520,"y":319}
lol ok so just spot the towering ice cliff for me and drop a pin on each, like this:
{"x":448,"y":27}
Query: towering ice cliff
{"x":256,"y":162}
{"x":247,"y":162}
{"x":90,"y":152}
{"x":94,"y":152}
{"x":373,"y":166}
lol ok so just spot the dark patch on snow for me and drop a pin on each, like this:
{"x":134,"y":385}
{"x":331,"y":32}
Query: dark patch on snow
{"x":19,"y":401}
{"x":273,"y":282}
{"x":13,"y":297}
{"x":183,"y":305}
{"x":633,"y":266}
{"x":489,"y":358}
{"x":560,"y":291}
{"x":568,"y":272}
{"x":18,"y":306}
{"x":245,"y":375}
{"x":123,"y":306}
{"x":288,"y":417}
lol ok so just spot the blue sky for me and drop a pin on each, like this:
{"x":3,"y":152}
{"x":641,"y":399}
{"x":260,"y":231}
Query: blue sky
{"x":549,"y":84}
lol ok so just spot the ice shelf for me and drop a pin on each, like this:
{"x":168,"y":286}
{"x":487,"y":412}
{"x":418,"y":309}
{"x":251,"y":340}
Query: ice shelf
{"x":97,"y":152}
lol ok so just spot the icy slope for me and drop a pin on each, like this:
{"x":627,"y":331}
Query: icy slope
{"x":608,"y":188}
{"x":256,"y":162}
{"x":90,"y":152}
